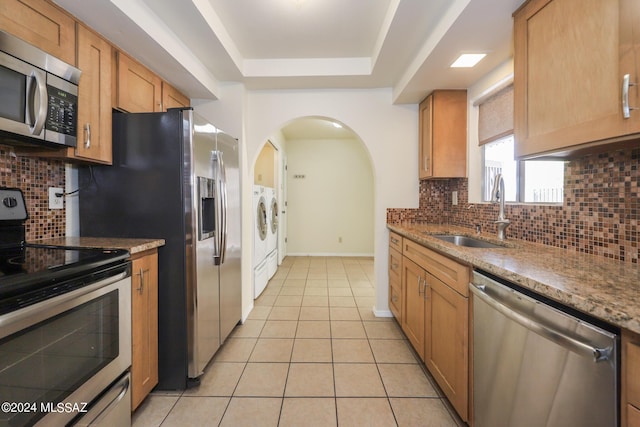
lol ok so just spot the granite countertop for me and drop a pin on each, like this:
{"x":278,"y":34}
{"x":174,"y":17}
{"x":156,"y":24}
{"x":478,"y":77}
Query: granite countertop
{"x":134,"y":246}
{"x":604,"y":288}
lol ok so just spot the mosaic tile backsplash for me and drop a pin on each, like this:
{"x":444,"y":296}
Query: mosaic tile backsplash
{"x":34,"y":176}
{"x":599,"y":215}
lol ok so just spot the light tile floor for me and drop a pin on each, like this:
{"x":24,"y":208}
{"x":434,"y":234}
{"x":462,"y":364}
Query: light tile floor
{"x":311,"y":353}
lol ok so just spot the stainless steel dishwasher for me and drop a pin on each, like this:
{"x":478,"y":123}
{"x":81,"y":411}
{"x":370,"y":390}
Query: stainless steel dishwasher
{"x":535,"y":365}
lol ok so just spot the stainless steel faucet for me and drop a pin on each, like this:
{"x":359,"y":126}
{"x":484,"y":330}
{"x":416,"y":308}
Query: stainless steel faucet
{"x":497,"y":196}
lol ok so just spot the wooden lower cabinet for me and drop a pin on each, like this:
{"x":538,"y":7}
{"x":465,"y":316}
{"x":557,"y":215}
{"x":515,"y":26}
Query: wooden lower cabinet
{"x":413,"y":304}
{"x":144,"y":325}
{"x":434,"y":314}
{"x":446,"y":351}
{"x":630,"y":379}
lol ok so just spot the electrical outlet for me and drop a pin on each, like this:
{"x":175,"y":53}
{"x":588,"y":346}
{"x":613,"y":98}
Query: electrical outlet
{"x":55,"y":201}
{"x":454,"y":198}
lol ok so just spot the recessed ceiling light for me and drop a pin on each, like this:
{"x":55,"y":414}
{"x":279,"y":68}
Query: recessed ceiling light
{"x":468,"y":60}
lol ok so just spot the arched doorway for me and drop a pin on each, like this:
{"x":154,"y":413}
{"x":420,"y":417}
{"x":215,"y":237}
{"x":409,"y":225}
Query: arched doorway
{"x":325,"y":189}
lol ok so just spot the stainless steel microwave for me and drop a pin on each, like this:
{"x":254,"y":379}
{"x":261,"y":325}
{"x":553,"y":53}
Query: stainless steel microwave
{"x":38,"y":96}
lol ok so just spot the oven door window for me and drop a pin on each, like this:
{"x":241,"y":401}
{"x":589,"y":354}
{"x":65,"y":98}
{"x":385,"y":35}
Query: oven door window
{"x":46,"y":362}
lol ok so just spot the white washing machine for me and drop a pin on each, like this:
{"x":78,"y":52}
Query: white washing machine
{"x":261,"y":228}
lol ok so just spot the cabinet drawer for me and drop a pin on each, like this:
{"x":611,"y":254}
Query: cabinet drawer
{"x":395,"y":265}
{"x":395,"y":299}
{"x":395,"y":241}
{"x":449,"y":271}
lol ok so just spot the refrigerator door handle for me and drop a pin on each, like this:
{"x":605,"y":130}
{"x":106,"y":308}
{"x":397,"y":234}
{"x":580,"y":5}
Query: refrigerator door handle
{"x":221,"y":212}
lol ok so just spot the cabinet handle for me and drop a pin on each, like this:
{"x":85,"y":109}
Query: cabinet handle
{"x":426,"y":285}
{"x":141,"y":287}
{"x":394,"y":265}
{"x":426,"y":163}
{"x":626,"y":113}
{"x":87,"y":135}
{"x":420,"y":288}
{"x":394,"y":241}
{"x":394,"y":298}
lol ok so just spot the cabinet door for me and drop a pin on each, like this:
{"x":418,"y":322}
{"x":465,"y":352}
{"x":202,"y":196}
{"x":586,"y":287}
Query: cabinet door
{"x":94,"y":97}
{"x":426,"y":137}
{"x":633,"y":416}
{"x":413,"y":304}
{"x":631,"y":378}
{"x":144,"y":327}
{"x":446,"y":342}
{"x":138,"y":89}
{"x":570,"y":57}
{"x":172,"y":98}
{"x":42,"y":24}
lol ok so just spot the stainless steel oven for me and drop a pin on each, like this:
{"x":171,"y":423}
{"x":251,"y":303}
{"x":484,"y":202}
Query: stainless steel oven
{"x":58,"y":356}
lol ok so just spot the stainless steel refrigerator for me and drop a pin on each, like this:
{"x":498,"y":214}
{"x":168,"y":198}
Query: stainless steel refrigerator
{"x":176,"y":177}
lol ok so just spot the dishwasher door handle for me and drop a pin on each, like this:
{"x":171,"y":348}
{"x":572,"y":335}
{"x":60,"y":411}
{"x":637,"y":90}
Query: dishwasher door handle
{"x":558,"y":337}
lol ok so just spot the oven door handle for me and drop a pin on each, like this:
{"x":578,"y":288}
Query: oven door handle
{"x":17,"y":320}
{"x":100,"y":413}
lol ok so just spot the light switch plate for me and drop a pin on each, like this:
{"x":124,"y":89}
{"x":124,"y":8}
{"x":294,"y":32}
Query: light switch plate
{"x":56,"y":202}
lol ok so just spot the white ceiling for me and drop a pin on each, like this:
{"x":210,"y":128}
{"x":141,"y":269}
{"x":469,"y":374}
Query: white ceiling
{"x":407,"y":45}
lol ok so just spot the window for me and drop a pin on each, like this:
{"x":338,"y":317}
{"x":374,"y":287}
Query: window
{"x":524,"y":181}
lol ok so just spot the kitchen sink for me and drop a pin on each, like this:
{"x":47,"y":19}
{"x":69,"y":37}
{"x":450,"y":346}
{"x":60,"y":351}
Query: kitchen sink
{"x":469,"y":242}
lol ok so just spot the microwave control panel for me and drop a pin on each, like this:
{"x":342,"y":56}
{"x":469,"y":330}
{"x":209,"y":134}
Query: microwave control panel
{"x":61,"y":114}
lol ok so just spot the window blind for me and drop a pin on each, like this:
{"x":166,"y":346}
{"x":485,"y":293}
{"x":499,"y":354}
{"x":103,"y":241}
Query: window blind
{"x":495,"y":116}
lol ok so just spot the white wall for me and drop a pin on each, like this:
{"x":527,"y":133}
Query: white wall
{"x":330,"y":198}
{"x":389,"y":133}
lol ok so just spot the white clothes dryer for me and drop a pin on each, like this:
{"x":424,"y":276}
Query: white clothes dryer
{"x":261,"y":228}
{"x":272,"y":219}
{"x":272,"y":232}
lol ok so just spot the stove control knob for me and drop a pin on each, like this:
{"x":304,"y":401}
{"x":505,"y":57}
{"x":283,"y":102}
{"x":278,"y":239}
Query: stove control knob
{"x":10,"y":202}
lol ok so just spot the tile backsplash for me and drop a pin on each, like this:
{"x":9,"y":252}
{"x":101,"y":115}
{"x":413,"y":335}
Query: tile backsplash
{"x":34,"y":176}
{"x":599,"y":215}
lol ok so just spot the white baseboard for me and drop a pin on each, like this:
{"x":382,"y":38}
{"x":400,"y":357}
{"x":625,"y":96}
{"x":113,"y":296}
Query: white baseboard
{"x":345,"y":255}
{"x":382,"y":313}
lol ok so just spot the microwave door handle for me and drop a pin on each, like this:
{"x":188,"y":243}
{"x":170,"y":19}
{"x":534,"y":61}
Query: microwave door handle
{"x":36,"y":102}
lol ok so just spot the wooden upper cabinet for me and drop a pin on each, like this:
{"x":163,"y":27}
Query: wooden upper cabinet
{"x":443,"y":135}
{"x":42,"y":24}
{"x":139,"y":90}
{"x":570,"y":59}
{"x":172,"y":98}
{"x":94,"y":98}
